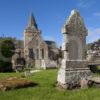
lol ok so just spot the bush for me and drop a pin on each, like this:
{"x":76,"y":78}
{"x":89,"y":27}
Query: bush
{"x":94,"y":68}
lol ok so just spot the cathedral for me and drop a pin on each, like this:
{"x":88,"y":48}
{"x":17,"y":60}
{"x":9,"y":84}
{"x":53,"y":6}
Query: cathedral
{"x":37,"y":52}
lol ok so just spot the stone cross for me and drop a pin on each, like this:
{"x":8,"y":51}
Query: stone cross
{"x":74,"y":64}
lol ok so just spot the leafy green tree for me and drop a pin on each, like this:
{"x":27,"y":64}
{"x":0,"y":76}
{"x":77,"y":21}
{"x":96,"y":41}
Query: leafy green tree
{"x":7,"y":48}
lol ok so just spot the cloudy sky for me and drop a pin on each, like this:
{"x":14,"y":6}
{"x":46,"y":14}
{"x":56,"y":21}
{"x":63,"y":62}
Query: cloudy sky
{"x":50,"y":16}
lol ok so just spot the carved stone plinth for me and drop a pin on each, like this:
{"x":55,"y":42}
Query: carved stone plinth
{"x":75,"y":71}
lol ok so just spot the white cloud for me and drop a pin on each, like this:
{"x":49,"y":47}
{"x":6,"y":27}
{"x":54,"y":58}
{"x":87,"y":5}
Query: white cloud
{"x":97,"y":14}
{"x":93,"y":35}
{"x":96,"y":31}
{"x":85,"y":3}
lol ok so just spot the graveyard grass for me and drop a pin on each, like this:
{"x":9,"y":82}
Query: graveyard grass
{"x":46,"y":89}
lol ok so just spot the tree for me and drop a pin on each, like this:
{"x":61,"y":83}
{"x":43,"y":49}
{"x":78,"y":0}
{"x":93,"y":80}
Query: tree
{"x":7,"y":48}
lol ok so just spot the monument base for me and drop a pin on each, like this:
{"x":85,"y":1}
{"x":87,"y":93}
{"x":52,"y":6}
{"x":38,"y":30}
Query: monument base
{"x":73,"y":73}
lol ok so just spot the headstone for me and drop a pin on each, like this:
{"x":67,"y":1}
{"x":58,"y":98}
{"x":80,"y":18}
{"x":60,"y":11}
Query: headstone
{"x":84,"y":83}
{"x":27,"y":72}
{"x":74,"y":65}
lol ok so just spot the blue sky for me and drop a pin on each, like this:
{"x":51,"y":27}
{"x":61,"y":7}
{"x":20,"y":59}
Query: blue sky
{"x":50,"y":16}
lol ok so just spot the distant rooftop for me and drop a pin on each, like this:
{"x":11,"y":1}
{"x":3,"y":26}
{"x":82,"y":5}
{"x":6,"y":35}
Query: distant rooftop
{"x":50,"y":42}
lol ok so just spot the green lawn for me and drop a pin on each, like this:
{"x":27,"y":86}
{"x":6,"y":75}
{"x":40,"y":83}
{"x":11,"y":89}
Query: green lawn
{"x":46,"y":90}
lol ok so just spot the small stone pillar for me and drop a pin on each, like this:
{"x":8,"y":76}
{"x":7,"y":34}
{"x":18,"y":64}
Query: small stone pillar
{"x":74,"y":66}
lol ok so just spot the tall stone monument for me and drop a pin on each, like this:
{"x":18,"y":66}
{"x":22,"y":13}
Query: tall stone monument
{"x":74,"y":65}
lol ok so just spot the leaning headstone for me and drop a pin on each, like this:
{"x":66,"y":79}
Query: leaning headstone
{"x":84,"y":83}
{"x":74,"y":65}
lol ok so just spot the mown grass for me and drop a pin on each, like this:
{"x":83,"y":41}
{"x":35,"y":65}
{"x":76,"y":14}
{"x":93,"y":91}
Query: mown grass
{"x":46,"y":89}
{"x":98,"y":67}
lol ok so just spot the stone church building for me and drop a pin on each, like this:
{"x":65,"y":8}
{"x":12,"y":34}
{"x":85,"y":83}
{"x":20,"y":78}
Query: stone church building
{"x":37,"y":52}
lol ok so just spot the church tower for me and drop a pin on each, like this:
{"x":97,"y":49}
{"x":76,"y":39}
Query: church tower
{"x":35,"y":48}
{"x":30,"y":34}
{"x":30,"y":31}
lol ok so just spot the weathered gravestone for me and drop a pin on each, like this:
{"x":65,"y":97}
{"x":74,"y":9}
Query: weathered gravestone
{"x":74,"y":65}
